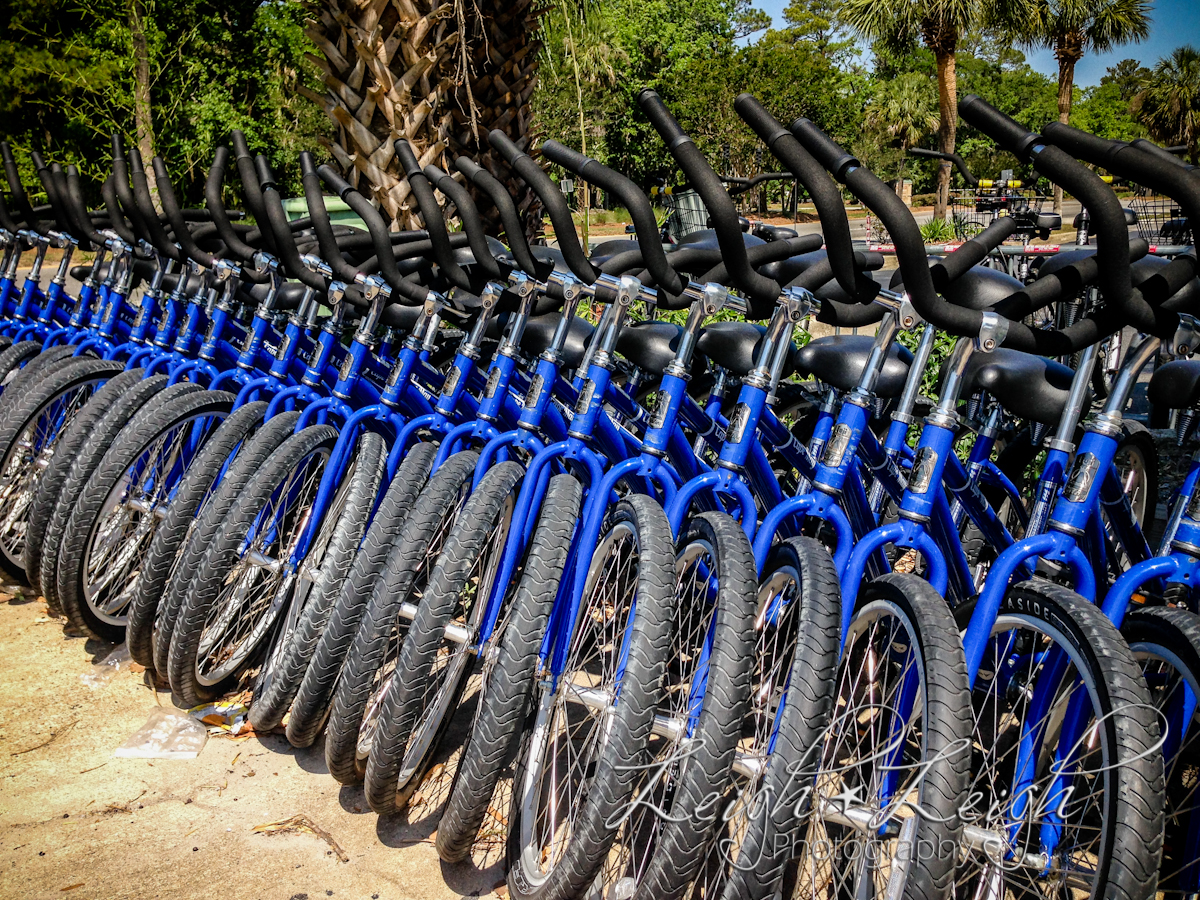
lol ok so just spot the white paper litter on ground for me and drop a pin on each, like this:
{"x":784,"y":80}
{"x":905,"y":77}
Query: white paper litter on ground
{"x":104,"y":671}
{"x":167,"y":734}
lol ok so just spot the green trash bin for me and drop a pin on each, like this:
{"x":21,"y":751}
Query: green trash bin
{"x":340,"y":212}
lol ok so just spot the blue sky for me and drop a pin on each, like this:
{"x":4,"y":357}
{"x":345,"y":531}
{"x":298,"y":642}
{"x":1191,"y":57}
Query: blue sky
{"x":1174,"y":22}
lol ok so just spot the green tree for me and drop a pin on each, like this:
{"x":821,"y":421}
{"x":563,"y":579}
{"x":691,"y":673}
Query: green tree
{"x":72,"y":72}
{"x":939,"y":25}
{"x":1169,"y":103}
{"x":1126,"y":77}
{"x":905,"y":109}
{"x":814,"y":25}
{"x":1072,"y":28}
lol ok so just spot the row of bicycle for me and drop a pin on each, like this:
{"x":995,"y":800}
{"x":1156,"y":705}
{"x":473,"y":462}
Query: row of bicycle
{"x":725,"y":611}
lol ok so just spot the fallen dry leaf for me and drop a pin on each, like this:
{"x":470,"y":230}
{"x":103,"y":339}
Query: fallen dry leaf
{"x":302,"y":824}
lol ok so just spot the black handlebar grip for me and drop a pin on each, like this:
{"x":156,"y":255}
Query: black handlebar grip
{"x":472,"y":223}
{"x":1162,"y":153}
{"x":262,"y":171}
{"x":250,"y":185}
{"x":20,"y":198}
{"x":958,"y":161}
{"x":1112,"y":234}
{"x":1007,"y":133}
{"x":124,"y":193}
{"x":1173,"y":277}
{"x":10,"y":170}
{"x":835,"y":159}
{"x":972,"y":252}
{"x":326,"y":241}
{"x":74,"y":214}
{"x":1083,"y":145}
{"x":645,"y":225}
{"x":145,"y":205}
{"x":644,"y":222}
{"x":910,"y":247}
{"x":54,"y":191}
{"x":166,"y":195}
{"x":552,"y":199}
{"x":336,"y":182}
{"x":213,"y":199}
{"x":1131,"y":162}
{"x":116,"y":217}
{"x":432,"y":215}
{"x":289,"y":256}
{"x":75,"y":209}
{"x":6,"y":220}
{"x":514,"y":229}
{"x":379,"y":236}
{"x":755,"y":285}
{"x":825,"y":195}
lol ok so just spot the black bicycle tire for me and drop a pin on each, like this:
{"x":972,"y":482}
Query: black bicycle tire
{"x":617,"y":772}
{"x":169,"y":536}
{"x":158,"y":416}
{"x":496,"y":733}
{"x":204,"y":525}
{"x":269,"y":706}
{"x":310,"y":706}
{"x":425,"y":634}
{"x":382,"y":617}
{"x":69,"y":445}
{"x":220,"y":557}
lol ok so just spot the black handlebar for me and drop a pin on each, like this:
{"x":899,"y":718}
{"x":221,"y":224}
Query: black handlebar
{"x":319,"y":215}
{"x":1112,"y":234}
{"x":237,"y":248}
{"x":380,"y":238}
{"x":277,"y":223}
{"x":514,"y":230}
{"x":1159,"y":171}
{"x":250,"y":185}
{"x":77,"y":213}
{"x":1167,"y":154}
{"x":552,"y":198}
{"x":431,"y":213}
{"x":166,"y":195}
{"x":54,"y":191}
{"x":112,"y":204}
{"x":826,"y":197}
{"x":19,"y":197}
{"x":755,"y":285}
{"x":124,"y":194}
{"x":959,"y":162}
{"x":974,"y":251}
{"x":472,"y":223}
{"x":644,"y":223}
{"x":141,"y":194}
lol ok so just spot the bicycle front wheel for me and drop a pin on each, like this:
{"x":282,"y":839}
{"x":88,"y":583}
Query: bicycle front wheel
{"x":892,"y":775}
{"x":1067,"y":794}
{"x":588,"y":746}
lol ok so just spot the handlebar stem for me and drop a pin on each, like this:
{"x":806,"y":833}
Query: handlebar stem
{"x":1109,"y":420}
{"x":525,"y":289}
{"x":376,"y":291}
{"x":67,"y":245}
{"x":41,"y":243}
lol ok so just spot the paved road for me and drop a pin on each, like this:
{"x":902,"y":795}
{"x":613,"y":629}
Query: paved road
{"x":858,"y":227}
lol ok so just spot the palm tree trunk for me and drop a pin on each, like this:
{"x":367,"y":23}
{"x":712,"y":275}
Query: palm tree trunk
{"x":1068,"y":50}
{"x":948,"y":126}
{"x":441,"y":74}
{"x":143,"y":124}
